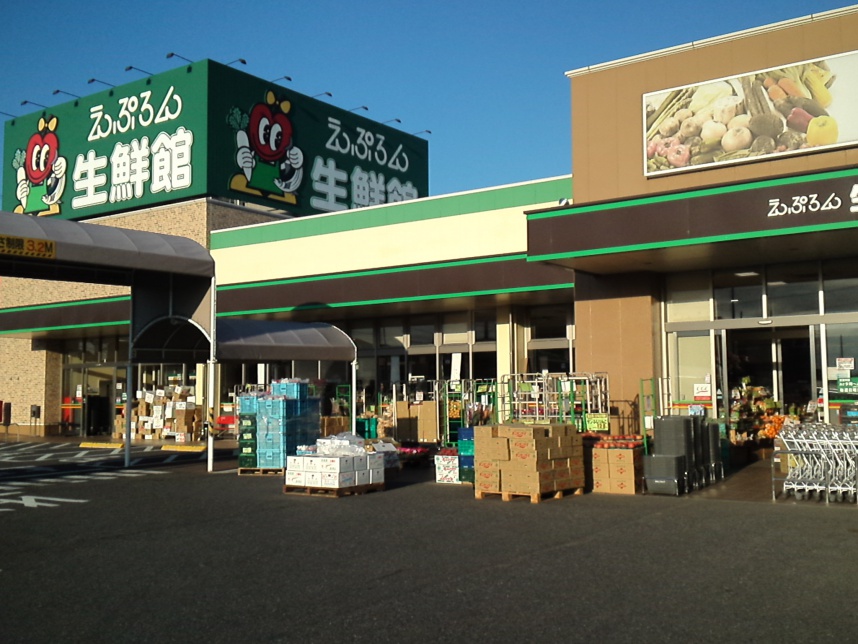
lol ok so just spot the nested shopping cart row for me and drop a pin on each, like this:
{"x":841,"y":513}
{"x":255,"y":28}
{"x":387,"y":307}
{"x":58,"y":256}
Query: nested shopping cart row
{"x":821,"y":462}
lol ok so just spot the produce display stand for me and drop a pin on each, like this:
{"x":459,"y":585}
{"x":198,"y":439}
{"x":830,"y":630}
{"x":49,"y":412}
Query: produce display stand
{"x":465,"y":403}
{"x":553,"y":397}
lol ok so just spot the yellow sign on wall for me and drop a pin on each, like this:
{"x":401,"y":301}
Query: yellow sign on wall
{"x":28,"y":247}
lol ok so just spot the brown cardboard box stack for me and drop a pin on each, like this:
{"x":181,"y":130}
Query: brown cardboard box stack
{"x":162,"y":413}
{"x":519,"y":459}
{"x":617,"y":470}
{"x":333,"y":425}
{"x":417,"y":421}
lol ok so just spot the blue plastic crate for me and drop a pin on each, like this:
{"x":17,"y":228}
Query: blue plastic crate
{"x":466,"y":462}
{"x":270,"y":425}
{"x":466,"y":433}
{"x":248,"y":404}
{"x":267,"y":458}
{"x":270,"y":439}
{"x":294,"y":390}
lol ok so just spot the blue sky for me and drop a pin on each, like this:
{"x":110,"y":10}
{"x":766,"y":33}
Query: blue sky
{"x":486,"y":77}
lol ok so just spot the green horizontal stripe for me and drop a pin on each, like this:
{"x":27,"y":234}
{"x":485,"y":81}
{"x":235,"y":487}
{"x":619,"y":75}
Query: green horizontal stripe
{"x":692,"y":242}
{"x":522,"y":195}
{"x":693,"y":194}
{"x":374,"y":271}
{"x":442,"y":296}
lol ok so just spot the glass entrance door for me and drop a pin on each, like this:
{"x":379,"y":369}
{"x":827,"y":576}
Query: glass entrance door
{"x":778,"y":368}
{"x":91,"y":396}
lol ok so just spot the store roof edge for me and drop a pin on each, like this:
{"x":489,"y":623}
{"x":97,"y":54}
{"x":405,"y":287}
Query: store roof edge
{"x":784,"y":24}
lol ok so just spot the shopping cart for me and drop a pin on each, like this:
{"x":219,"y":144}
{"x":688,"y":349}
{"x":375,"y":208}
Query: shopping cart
{"x":822,"y":462}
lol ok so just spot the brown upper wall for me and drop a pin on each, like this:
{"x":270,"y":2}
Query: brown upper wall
{"x":607,"y":120}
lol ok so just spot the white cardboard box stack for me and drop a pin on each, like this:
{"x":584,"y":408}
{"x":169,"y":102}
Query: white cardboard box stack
{"x":334,"y":471}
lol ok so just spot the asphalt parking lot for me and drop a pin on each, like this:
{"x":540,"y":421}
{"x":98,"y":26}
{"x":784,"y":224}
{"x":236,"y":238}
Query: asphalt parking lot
{"x":182,"y":555}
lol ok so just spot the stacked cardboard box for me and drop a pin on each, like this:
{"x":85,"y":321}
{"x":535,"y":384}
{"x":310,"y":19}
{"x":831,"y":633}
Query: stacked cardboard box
{"x":527,"y":459}
{"x":333,"y":425}
{"x":447,"y":468}
{"x":164,"y":412}
{"x":417,"y":422}
{"x":617,"y":467}
{"x":334,"y":472}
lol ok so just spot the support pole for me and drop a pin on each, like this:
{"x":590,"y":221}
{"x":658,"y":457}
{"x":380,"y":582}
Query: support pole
{"x":210,"y":401}
{"x":210,"y":375}
{"x":352,"y":410}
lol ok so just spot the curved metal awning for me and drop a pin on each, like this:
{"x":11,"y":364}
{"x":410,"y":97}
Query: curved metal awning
{"x":244,"y":340}
{"x":274,"y":341}
{"x":80,"y":252}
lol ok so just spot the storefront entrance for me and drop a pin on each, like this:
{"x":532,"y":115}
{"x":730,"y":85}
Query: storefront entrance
{"x":91,"y":398}
{"x":775,"y":369}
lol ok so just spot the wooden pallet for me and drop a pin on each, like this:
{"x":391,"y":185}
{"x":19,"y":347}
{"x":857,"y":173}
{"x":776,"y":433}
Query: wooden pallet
{"x":262,"y":471}
{"x":332,"y":492}
{"x":534,"y":498}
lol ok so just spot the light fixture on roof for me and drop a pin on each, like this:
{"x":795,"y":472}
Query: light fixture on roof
{"x":274,"y":80}
{"x":359,"y":107}
{"x":95,"y":80}
{"x":62,"y":91}
{"x":237,"y":60}
{"x":26,"y":102}
{"x":9,"y":115}
{"x":421,"y":132}
{"x":173,"y":54}
{"x":391,"y":121}
{"x":328,"y":94}
{"x":130,"y":67}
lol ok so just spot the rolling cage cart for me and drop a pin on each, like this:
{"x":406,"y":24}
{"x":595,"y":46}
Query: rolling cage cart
{"x":686,"y":455}
{"x":820,"y":461}
{"x":553,"y":397}
{"x":466,"y":403}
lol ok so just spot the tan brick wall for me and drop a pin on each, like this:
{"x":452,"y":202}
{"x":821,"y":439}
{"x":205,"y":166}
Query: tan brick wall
{"x":224,"y":215}
{"x":22,"y":381}
{"x":31,"y":376}
{"x":193,"y":219}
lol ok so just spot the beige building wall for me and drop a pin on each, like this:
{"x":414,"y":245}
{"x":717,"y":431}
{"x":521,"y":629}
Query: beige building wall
{"x":607,"y":106}
{"x":481,"y":234}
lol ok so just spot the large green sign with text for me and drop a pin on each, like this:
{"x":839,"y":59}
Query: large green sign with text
{"x":205,"y":129}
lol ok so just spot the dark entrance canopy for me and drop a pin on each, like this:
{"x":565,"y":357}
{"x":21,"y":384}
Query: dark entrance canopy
{"x":93,"y":253}
{"x":243,"y":340}
{"x":273,"y":341}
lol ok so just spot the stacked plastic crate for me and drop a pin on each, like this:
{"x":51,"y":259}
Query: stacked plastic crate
{"x":272,"y":426}
{"x":247,"y":410}
{"x":466,"y":454}
{"x":686,"y":455}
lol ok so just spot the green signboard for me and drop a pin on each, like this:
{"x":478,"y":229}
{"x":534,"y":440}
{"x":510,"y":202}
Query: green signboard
{"x":205,"y":129}
{"x":847,"y":385}
{"x":131,"y":146}
{"x":598,"y":423}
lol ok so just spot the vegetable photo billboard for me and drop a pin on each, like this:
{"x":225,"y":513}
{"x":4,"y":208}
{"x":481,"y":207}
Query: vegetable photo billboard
{"x":796,"y":109}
